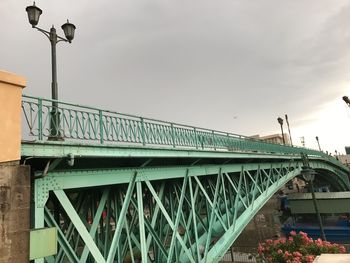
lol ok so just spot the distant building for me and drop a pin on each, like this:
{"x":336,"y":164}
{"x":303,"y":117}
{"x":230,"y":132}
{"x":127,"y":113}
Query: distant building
{"x":347,"y":149}
{"x":344,"y":159}
{"x":274,"y":138}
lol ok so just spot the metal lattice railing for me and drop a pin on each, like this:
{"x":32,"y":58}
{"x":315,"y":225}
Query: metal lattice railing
{"x":88,"y":124}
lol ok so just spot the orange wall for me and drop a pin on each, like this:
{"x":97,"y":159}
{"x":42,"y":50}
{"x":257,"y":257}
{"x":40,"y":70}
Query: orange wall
{"x":11,"y":87}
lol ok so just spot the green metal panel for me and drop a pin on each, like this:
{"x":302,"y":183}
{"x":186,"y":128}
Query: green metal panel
{"x":43,"y":242}
{"x":320,"y":195}
{"x":337,"y":202}
{"x":325,"y":206}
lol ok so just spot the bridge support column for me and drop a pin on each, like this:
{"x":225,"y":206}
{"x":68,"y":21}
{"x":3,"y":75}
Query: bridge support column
{"x":14,"y":178}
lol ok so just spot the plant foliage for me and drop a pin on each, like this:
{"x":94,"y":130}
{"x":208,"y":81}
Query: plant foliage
{"x":297,"y":248}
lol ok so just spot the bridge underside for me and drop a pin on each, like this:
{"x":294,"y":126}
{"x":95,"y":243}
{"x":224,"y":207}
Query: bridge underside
{"x":115,"y":204}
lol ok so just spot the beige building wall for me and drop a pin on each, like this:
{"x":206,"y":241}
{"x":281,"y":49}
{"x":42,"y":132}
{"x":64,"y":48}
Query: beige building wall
{"x":274,"y":138}
{"x":11,"y":87}
{"x":345,"y":159}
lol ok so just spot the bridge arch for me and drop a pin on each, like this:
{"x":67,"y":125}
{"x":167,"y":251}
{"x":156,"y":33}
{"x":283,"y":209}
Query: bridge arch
{"x":167,"y":213}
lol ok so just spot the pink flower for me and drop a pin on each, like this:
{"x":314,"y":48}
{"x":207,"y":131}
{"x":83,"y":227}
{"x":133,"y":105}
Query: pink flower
{"x":310,"y":258}
{"x":293,"y":233}
{"x":260,"y":249}
{"x":342,"y":249}
{"x":287,"y":254}
{"x":302,"y":233}
{"x":269,"y":241}
{"x":306,"y":240}
{"x":326,"y":243}
{"x":318,"y":242}
{"x":297,"y":254}
{"x":296,"y":260}
{"x":283,"y":240}
{"x":303,"y":249}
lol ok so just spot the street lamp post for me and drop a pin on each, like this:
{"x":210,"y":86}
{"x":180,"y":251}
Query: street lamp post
{"x":290,"y":135}
{"x":309,"y":175}
{"x":34,"y":13}
{"x":280,"y":121}
{"x":318,"y":143}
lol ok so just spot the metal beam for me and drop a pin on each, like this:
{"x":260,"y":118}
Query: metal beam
{"x":177,"y":220}
{"x":62,"y":149}
{"x":144,"y":254}
{"x":233,"y":232}
{"x":67,"y":206}
{"x":95,"y":222}
{"x":64,"y":244}
{"x":120,"y":222}
{"x":93,"y":178}
{"x":171,"y":224}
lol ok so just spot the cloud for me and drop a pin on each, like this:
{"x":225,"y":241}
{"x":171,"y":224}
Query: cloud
{"x":195,"y":62}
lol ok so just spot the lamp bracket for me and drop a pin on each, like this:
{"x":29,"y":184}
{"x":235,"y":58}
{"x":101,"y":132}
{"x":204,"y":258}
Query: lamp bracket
{"x":47,"y":34}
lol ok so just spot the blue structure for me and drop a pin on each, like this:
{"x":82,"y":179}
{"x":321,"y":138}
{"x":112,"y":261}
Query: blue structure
{"x":334,"y":208}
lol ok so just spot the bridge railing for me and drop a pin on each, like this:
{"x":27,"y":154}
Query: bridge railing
{"x":88,"y":124}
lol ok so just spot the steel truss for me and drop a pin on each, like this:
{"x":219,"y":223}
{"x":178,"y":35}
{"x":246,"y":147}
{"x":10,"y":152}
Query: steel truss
{"x":178,"y":214}
{"x":158,"y":214}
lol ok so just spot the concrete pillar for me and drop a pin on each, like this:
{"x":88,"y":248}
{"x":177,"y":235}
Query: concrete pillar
{"x":14,"y":178}
{"x":11,"y":87}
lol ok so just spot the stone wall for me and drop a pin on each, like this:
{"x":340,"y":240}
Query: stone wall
{"x":14,"y":212}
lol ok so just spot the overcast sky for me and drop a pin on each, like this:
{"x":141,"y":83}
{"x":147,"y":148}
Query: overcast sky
{"x":231,"y":65}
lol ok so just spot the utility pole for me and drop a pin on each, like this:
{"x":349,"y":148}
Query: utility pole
{"x":318,"y":143}
{"x":290,"y":135}
{"x":309,"y":175}
{"x":280,"y":121}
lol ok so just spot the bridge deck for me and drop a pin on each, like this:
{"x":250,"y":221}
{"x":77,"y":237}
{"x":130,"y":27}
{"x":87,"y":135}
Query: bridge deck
{"x":62,"y":149}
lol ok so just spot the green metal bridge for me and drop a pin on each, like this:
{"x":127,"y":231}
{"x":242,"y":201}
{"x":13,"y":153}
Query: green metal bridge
{"x":121,"y":188}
